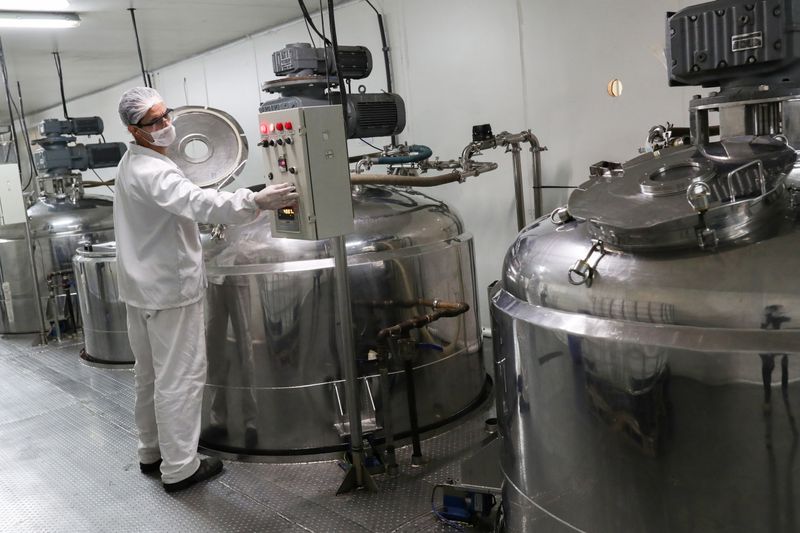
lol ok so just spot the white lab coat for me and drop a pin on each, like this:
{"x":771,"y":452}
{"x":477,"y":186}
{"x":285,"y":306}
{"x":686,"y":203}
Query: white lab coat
{"x":162,"y":282}
{"x":156,"y":210}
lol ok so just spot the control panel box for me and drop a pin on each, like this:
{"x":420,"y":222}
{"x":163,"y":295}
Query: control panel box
{"x":307,"y":147}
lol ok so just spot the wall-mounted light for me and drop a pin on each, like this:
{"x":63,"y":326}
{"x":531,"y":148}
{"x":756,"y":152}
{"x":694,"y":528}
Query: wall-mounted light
{"x":36,"y":19}
{"x":34,"y":5}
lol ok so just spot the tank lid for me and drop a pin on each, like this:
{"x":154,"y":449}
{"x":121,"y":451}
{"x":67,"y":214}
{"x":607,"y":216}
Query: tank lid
{"x":210,"y":146}
{"x":687,"y":196}
{"x":102,"y":249}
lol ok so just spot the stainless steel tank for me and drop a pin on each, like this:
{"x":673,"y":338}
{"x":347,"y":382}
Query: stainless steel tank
{"x":274,"y":381}
{"x":58,"y":227}
{"x":104,"y":316}
{"x":646,"y":341}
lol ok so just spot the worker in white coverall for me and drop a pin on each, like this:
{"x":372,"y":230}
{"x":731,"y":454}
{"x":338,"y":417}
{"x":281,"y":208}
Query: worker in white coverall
{"x":162,"y":282}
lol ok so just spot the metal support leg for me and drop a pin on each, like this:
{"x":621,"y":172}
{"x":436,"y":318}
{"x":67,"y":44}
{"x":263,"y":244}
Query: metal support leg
{"x":389,"y":458}
{"x":357,"y":475}
{"x":411,"y":394}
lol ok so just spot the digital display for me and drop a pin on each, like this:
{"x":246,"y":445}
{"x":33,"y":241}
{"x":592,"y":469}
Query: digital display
{"x":286,"y":213}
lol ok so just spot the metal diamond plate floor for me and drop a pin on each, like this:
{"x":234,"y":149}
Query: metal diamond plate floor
{"x":68,"y":464}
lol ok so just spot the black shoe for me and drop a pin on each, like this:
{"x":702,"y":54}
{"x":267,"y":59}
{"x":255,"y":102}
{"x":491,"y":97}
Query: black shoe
{"x":150,"y":468}
{"x":208,"y":468}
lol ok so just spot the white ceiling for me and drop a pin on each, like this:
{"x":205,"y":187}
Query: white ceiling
{"x":102,"y":51}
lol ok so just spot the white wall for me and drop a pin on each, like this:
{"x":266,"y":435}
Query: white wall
{"x":517,"y":64}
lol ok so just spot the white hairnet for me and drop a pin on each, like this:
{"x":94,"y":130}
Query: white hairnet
{"x":135,"y":103}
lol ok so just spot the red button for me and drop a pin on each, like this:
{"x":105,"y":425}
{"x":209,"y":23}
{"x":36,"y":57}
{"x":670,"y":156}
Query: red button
{"x":279,"y":126}
{"x":264,"y":127}
{"x":287,"y":125}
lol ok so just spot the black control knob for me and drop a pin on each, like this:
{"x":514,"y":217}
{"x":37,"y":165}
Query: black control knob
{"x":292,"y":170}
{"x":271,"y":142}
{"x":264,"y":143}
{"x":270,"y":175}
{"x":288,"y":140}
{"x":279,"y":142}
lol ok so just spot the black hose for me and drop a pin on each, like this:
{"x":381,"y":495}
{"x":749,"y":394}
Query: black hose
{"x":326,"y":45}
{"x":335,"y":43}
{"x":386,"y":60}
{"x":308,"y":18}
{"x":145,"y":78}
{"x":26,"y":137}
{"x":57,"y":58}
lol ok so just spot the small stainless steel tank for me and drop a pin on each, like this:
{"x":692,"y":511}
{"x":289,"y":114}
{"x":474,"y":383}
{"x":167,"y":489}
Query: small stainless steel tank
{"x":58,"y":227}
{"x":274,"y":381}
{"x":104,"y":317}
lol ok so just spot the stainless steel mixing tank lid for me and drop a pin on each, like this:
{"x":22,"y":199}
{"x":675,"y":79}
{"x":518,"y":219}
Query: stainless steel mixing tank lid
{"x":210,"y":146}
{"x":688,"y":196}
{"x":102,"y":249}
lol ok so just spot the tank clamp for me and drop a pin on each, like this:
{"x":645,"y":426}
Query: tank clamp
{"x":583,"y":271}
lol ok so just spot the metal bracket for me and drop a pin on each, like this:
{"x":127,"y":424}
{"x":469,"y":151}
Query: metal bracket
{"x":707,"y":238}
{"x":697,"y":194}
{"x":583,"y":271}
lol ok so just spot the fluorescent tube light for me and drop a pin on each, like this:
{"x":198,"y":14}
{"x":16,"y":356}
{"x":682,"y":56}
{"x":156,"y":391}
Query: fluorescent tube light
{"x":34,"y":5}
{"x":34,"y":19}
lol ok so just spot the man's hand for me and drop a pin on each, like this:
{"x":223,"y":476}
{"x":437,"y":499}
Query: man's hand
{"x":276,"y":196}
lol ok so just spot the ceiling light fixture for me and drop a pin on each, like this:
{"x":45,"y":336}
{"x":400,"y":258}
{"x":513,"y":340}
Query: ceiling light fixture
{"x":34,"y":5}
{"x":35,"y":19}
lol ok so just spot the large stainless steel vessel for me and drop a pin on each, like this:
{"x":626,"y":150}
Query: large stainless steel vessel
{"x":274,"y":379}
{"x":104,"y":316}
{"x":646,"y":338}
{"x":58,"y":227}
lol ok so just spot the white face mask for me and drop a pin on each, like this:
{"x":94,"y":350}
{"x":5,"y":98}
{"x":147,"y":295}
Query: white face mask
{"x":163,"y":137}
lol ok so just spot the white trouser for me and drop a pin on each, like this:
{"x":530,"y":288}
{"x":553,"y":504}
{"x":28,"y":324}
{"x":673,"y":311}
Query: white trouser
{"x":170,"y":350}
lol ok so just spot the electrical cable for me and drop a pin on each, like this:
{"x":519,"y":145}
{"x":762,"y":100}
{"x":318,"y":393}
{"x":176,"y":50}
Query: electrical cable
{"x":32,"y":169}
{"x":370,"y":144}
{"x":57,"y":58}
{"x":373,"y":7}
{"x":104,"y":182}
{"x":25,"y":133}
{"x":325,"y":49}
{"x":25,"y":137}
{"x":386,"y":59}
{"x":335,"y":43}
{"x":307,"y":16}
{"x":139,"y":48}
{"x":311,"y":37}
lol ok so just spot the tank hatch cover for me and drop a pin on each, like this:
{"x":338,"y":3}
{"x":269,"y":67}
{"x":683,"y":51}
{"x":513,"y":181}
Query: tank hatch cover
{"x":687,"y":196}
{"x":210,"y":146}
